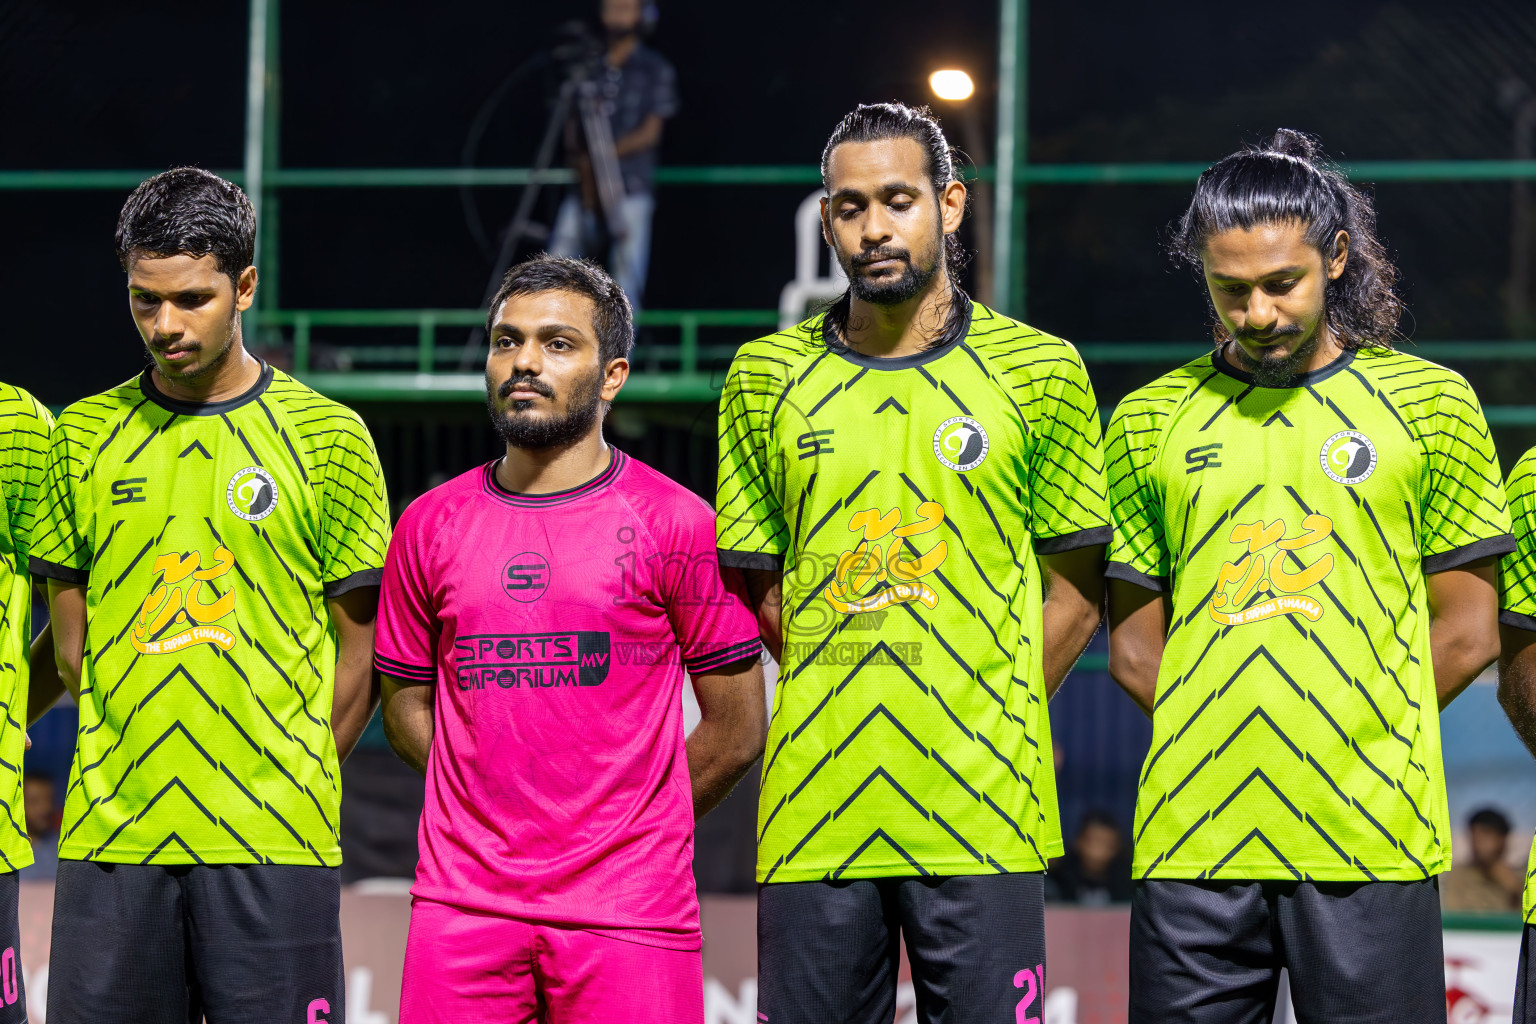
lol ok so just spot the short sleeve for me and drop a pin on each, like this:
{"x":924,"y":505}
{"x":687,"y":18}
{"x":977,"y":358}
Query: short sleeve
{"x":1463,"y":513}
{"x":61,"y":548}
{"x":1069,"y":508}
{"x":750,"y":528}
{"x":1138,"y":552}
{"x":23,"y":473}
{"x":707,"y":602}
{"x":1517,"y":570}
{"x":664,"y":98}
{"x":405,"y":637}
{"x":354,"y":512}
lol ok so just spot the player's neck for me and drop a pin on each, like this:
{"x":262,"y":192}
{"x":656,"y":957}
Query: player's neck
{"x":235,"y":374}
{"x":527,"y":471}
{"x":888,"y":332}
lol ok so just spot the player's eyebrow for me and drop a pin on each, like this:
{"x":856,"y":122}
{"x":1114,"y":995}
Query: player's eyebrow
{"x":1281,"y":272}
{"x":542,"y":331}
{"x":889,"y":188}
{"x":185,"y":293}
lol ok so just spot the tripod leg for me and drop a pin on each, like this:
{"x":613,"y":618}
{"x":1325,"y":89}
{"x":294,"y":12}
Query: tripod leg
{"x":518,"y":227}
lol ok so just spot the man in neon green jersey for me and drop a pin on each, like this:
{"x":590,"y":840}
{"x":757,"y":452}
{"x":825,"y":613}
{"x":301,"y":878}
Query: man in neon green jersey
{"x":914,"y":484}
{"x":1517,"y":683}
{"x":1306,"y":525}
{"x":213,"y":540}
{"x":25,"y":666}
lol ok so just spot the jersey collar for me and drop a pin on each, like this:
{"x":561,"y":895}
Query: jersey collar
{"x":164,"y":401}
{"x":837,"y":345}
{"x":1305,"y":380}
{"x":517,"y":499}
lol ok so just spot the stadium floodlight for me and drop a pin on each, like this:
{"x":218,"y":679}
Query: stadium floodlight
{"x":951,"y":84}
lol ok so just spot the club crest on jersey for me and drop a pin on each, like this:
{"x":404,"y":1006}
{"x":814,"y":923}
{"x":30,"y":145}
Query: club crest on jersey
{"x":184,"y":605}
{"x":960,"y":443}
{"x":252,"y":493}
{"x":1348,"y":457}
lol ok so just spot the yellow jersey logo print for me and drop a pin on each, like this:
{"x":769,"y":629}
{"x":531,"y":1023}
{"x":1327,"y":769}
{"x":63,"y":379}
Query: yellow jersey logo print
{"x":871,"y":562}
{"x":178,"y":612}
{"x":1262,"y":571}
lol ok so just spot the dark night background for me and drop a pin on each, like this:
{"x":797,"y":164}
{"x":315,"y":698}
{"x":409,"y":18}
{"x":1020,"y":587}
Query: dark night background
{"x":390,"y":84}
{"x":89,"y":85}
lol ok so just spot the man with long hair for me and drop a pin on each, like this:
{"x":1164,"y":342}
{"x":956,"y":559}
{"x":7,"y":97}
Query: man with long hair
{"x":914,"y":485}
{"x":1306,"y":526}
{"x":213,"y":537}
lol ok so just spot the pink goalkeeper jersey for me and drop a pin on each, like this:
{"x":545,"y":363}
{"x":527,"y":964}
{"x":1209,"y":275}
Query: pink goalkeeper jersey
{"x":555,"y":629}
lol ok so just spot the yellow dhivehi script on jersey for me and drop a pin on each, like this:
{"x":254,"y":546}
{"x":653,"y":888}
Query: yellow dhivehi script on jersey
{"x":179,"y":601}
{"x":1272,"y":565}
{"x":875,"y":560}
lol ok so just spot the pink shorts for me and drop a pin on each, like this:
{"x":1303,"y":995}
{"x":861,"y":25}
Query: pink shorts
{"x":467,"y":967}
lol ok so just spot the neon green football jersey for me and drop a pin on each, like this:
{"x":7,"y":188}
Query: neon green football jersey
{"x":1517,"y":591}
{"x":906,"y":501}
{"x":1296,"y":732}
{"x":208,"y":537}
{"x":24,"y":428}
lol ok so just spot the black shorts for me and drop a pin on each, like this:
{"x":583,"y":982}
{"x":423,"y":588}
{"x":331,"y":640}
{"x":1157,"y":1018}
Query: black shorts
{"x":13,"y":991}
{"x":1525,"y":982}
{"x":827,"y":951}
{"x":237,"y":943}
{"x":1356,"y":953}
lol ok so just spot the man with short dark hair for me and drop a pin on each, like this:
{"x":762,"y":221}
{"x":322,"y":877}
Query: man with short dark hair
{"x":213,"y":537}
{"x":1483,"y":881}
{"x":1095,"y":870}
{"x":912,"y":456}
{"x":1306,"y":526}
{"x":538,"y":615}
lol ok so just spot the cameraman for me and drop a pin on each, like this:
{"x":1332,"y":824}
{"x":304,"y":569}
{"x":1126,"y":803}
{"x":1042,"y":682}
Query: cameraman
{"x":638,"y":88}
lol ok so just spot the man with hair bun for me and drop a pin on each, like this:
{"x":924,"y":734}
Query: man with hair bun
{"x":914,"y":485}
{"x":1307,"y":525}
{"x":213,"y":536}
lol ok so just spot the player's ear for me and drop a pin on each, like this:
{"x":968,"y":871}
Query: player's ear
{"x":614,"y":376}
{"x":952,"y":206}
{"x":245,"y":289}
{"x":1340,"y":255}
{"x":826,"y":225}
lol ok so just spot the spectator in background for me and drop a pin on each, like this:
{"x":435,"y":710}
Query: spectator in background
{"x":1485,"y":881}
{"x":639,"y":91}
{"x":42,"y":811}
{"x":1096,"y":870}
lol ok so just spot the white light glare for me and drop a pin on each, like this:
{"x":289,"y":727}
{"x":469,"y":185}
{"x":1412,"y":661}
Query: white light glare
{"x":951,"y":84}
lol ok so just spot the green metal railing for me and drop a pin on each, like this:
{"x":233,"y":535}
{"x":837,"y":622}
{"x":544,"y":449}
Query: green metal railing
{"x":680,"y":380}
{"x":759,"y":174}
{"x":681,"y":372}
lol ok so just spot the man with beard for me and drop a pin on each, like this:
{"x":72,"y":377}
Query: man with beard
{"x":913,"y":461}
{"x":1306,"y":530}
{"x":213,"y":537}
{"x":537,"y":618}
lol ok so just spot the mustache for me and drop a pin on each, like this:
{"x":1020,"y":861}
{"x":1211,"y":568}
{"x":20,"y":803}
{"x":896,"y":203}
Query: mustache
{"x":864,"y":259}
{"x":1249,"y":334}
{"x":526,"y":383}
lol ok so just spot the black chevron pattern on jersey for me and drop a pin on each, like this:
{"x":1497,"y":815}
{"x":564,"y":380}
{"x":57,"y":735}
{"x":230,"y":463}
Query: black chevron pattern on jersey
{"x":217,"y":750}
{"x":912,"y":745}
{"x":24,"y":430}
{"x":1299,"y":740}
